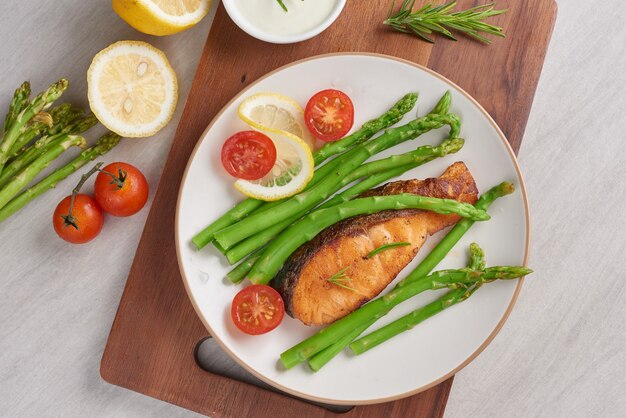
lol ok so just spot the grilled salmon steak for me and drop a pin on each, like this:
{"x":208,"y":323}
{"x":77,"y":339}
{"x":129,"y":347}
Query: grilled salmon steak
{"x":339,"y":253}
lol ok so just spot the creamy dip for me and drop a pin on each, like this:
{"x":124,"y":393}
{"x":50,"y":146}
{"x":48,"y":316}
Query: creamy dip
{"x":268,"y":16}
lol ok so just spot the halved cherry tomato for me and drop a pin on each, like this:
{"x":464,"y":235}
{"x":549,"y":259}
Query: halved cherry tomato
{"x":329,"y":115}
{"x":257,"y":309}
{"x":121,"y":189}
{"x":85,"y":222}
{"x":248,"y":155}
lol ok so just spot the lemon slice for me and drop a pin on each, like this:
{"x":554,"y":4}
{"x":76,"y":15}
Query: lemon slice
{"x":161,"y":17}
{"x":132,"y":88}
{"x":291,"y":173}
{"x":275,"y":113}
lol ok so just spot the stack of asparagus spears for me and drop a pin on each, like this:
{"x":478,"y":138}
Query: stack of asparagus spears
{"x":35,"y":134}
{"x":265,"y":234}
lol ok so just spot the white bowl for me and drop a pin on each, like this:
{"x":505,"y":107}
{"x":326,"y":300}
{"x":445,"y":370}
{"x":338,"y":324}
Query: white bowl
{"x":252,"y":30}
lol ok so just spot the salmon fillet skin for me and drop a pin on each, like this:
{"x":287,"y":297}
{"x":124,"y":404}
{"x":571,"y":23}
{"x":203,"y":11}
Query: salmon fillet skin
{"x":303,"y":281}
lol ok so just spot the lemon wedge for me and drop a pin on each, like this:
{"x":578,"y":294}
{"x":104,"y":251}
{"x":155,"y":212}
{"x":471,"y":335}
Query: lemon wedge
{"x":275,"y":112}
{"x":291,"y":173}
{"x":161,"y":17}
{"x":132,"y":88}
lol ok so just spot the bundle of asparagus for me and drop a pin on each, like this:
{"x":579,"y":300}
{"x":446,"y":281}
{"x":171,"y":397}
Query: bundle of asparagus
{"x":35,"y":134}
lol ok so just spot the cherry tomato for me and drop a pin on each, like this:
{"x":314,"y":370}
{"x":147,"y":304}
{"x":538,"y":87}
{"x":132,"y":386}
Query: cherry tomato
{"x":248,"y":155}
{"x":257,"y":309}
{"x":329,"y":115}
{"x":121,"y":189}
{"x":85,"y":222}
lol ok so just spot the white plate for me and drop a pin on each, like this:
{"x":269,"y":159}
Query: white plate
{"x":414,"y":360}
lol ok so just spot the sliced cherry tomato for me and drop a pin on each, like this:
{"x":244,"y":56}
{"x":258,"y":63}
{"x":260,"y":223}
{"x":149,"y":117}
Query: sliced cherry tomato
{"x":257,"y":309}
{"x":83,"y":224}
{"x":121,"y":189}
{"x":248,"y":155}
{"x":329,"y":115}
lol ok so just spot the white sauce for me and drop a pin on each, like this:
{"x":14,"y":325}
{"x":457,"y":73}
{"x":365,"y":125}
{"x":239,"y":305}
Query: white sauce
{"x":268,"y":16}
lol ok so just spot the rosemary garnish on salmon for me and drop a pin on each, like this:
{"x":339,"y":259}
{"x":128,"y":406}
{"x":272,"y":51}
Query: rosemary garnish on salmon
{"x":340,"y":278}
{"x":386,"y":247}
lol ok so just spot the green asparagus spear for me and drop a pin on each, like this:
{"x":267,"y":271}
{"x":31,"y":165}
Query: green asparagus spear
{"x":237,"y":274}
{"x":247,"y":206}
{"x":60,"y":114}
{"x":31,"y":131}
{"x":35,"y":128}
{"x":389,"y":118}
{"x":425,"y":267}
{"x":39,"y":103}
{"x":443,"y":106}
{"x":65,"y":115}
{"x":251,"y":225}
{"x":44,"y":144}
{"x":421,"y":156}
{"x":381,"y":306}
{"x":258,"y":240}
{"x":477,"y":257}
{"x":408,"y":321}
{"x":80,"y":125}
{"x":405,"y":323}
{"x":240,"y":211}
{"x":372,"y":173}
{"x":319,"y":360}
{"x":21,"y":179}
{"x":28,"y":156}
{"x":417,"y":156}
{"x":18,"y":103}
{"x":104,"y":145}
{"x":304,"y":230}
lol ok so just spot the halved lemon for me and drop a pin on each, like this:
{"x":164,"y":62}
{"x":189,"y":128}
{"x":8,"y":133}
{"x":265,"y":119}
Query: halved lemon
{"x":291,"y":173}
{"x":161,"y":17}
{"x":132,"y":88}
{"x":275,"y":112}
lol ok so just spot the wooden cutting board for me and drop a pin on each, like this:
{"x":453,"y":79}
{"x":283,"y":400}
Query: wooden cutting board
{"x":151,"y":347}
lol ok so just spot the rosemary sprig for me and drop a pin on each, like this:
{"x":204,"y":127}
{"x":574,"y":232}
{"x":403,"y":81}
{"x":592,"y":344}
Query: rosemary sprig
{"x":386,"y":247}
{"x":282,"y":4}
{"x":440,"y":19}
{"x":340,"y":278}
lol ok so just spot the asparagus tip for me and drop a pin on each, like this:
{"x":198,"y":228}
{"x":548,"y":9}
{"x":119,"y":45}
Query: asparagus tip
{"x":507,"y":188}
{"x":108,"y":141}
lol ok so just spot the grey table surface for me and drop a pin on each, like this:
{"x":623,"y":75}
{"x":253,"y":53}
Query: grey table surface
{"x":562,"y":352}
